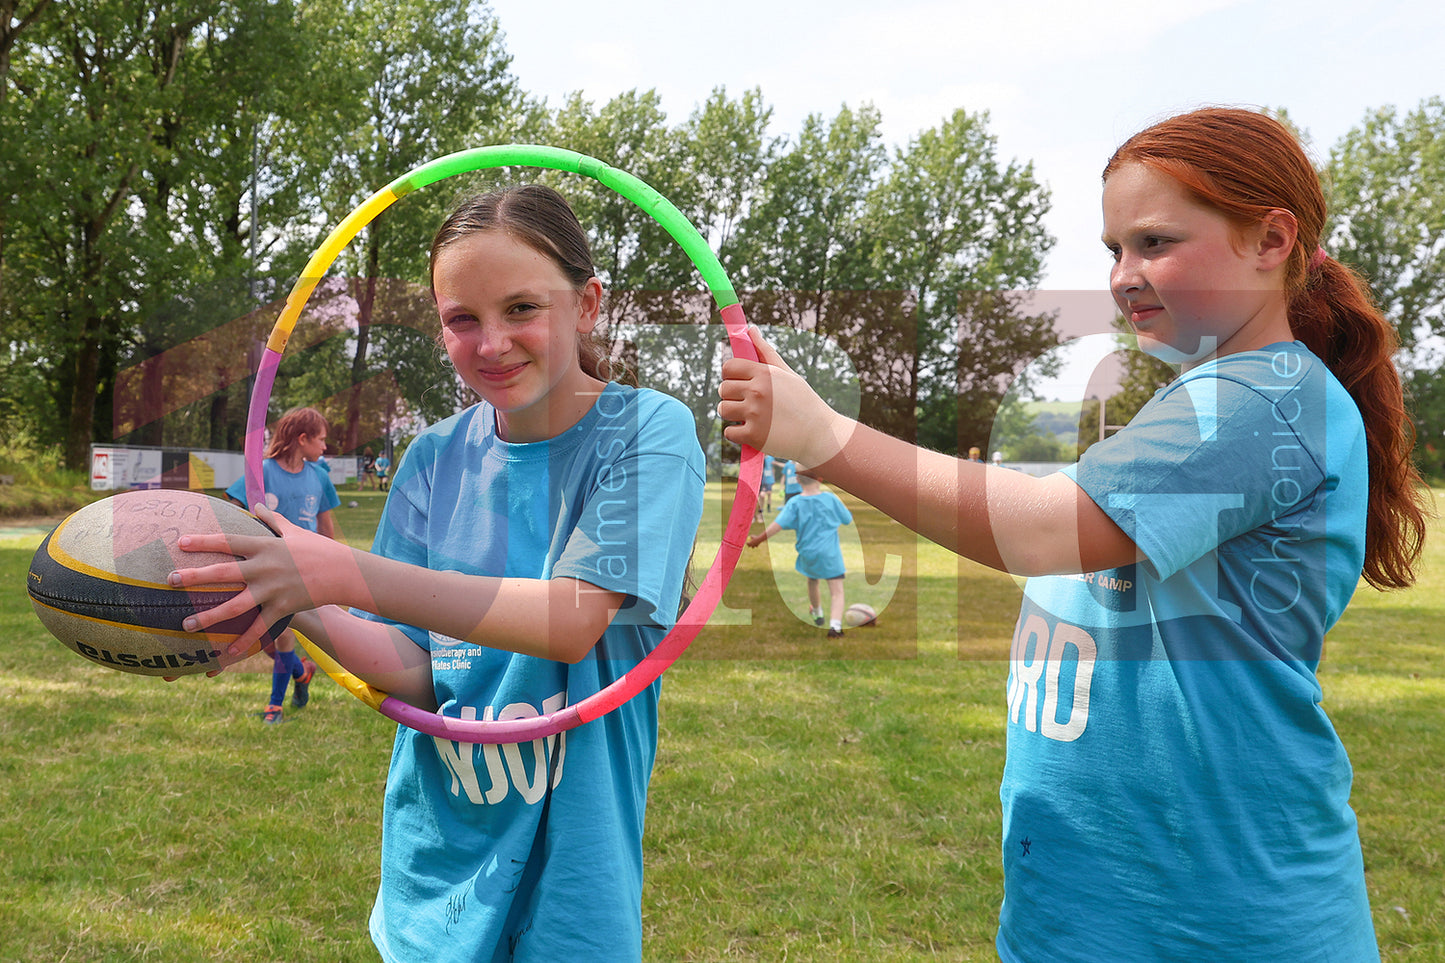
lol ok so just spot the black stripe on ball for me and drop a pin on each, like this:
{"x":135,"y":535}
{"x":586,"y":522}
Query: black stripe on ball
{"x":155,"y":608}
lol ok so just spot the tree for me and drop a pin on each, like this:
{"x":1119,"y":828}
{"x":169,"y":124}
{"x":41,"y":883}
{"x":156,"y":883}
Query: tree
{"x":803,"y":251}
{"x":729,"y":153}
{"x":1387,"y":202}
{"x":97,"y":82}
{"x":806,"y":233}
{"x":633,"y":254}
{"x":145,"y":117}
{"x":965,"y":233}
{"x":15,"y":21}
{"x":408,"y":81}
{"x":1425,"y":395}
{"x":1141,"y":375}
{"x":202,"y":205}
{"x":657,"y":306}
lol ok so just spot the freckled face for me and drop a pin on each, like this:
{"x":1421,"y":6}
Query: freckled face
{"x":1183,"y":276}
{"x":511,"y":323}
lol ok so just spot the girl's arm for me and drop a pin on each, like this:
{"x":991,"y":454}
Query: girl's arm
{"x":377,"y":653}
{"x":755,"y":540}
{"x":559,"y":619}
{"x":326,"y":525}
{"x":1004,"y":519}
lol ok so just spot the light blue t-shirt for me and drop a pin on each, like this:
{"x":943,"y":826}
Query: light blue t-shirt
{"x":300,"y":497}
{"x":814,"y":520}
{"x":1174,"y":789}
{"x":791,"y":485}
{"x":534,"y":851}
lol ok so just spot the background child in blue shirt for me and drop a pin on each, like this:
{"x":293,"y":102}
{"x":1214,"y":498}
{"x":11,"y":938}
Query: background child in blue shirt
{"x":814,"y":516}
{"x":298,"y":489}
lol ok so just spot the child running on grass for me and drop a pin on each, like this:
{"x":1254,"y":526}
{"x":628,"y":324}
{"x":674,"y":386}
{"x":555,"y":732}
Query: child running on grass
{"x":1173,"y":788}
{"x":814,"y":516}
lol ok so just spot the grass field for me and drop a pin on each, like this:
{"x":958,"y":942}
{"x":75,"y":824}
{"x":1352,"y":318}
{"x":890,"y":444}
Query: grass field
{"x":811,"y":800}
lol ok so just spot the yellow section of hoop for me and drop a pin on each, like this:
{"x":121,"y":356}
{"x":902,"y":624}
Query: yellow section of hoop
{"x":316,"y":268}
{"x":367,"y":693}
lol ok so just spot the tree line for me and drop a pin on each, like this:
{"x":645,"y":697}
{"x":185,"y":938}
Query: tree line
{"x":167,"y":169}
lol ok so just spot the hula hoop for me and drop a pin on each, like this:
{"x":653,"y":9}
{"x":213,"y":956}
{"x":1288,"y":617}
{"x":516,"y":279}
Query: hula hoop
{"x":695,"y":616}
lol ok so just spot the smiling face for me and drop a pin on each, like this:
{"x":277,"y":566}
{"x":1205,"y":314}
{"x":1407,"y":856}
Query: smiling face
{"x":1191,"y":284}
{"x":511,"y":323}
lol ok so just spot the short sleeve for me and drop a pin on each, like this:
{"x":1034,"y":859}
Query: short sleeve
{"x":788,"y":517}
{"x":638,"y":520}
{"x":1208,"y":459}
{"x":329,"y":498}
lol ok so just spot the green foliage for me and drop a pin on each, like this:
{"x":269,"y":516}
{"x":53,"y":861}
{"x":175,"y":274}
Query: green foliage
{"x":1387,"y":213}
{"x":964,"y":231}
{"x":1387,"y":207}
{"x":1425,"y":395}
{"x":1141,"y":375}
{"x":167,"y":171}
{"x":1033,"y":431}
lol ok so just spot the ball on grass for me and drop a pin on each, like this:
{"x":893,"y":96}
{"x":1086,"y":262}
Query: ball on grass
{"x":860,"y":614}
{"x":98,"y":582}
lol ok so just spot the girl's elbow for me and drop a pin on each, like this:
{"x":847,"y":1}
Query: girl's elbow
{"x":572,"y":652}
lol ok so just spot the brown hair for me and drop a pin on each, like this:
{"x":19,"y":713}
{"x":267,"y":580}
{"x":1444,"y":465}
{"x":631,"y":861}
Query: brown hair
{"x":542,"y":219}
{"x":294,"y":424}
{"x":1244,"y":164}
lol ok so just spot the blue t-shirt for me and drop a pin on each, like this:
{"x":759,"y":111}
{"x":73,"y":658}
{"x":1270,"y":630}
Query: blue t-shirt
{"x":815,"y":520}
{"x":766,"y":482}
{"x":534,"y":851}
{"x":791,"y":485}
{"x":1174,"y":789}
{"x":299,"y":497}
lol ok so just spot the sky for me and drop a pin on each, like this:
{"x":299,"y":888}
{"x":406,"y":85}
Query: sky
{"x":1062,"y":82}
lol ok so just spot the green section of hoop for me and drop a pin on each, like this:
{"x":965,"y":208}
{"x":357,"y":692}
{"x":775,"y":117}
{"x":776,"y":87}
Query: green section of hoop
{"x":635,"y":190}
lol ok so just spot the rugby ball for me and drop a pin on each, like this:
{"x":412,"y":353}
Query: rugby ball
{"x":98,"y":582}
{"x":859,"y":614}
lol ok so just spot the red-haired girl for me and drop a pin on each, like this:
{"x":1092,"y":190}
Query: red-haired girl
{"x":301,"y":491}
{"x":1173,"y":789}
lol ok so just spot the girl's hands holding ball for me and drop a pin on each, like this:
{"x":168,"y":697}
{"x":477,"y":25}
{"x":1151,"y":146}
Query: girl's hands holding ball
{"x":296,"y":572}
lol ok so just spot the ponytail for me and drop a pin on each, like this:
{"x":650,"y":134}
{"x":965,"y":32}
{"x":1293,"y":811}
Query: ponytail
{"x":1334,"y":316}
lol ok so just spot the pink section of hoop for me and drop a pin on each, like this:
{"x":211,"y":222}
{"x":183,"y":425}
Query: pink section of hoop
{"x":256,"y":424}
{"x":689,"y":623}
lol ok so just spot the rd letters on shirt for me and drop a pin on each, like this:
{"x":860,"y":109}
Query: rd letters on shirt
{"x":1048,"y":689}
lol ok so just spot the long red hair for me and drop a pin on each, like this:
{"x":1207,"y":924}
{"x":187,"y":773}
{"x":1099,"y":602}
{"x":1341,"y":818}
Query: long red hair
{"x":1244,"y":164}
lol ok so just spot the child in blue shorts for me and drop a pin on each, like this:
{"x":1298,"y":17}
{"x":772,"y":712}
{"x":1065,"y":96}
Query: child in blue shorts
{"x":301,"y":491}
{"x":765,"y":488}
{"x":814,"y":515}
